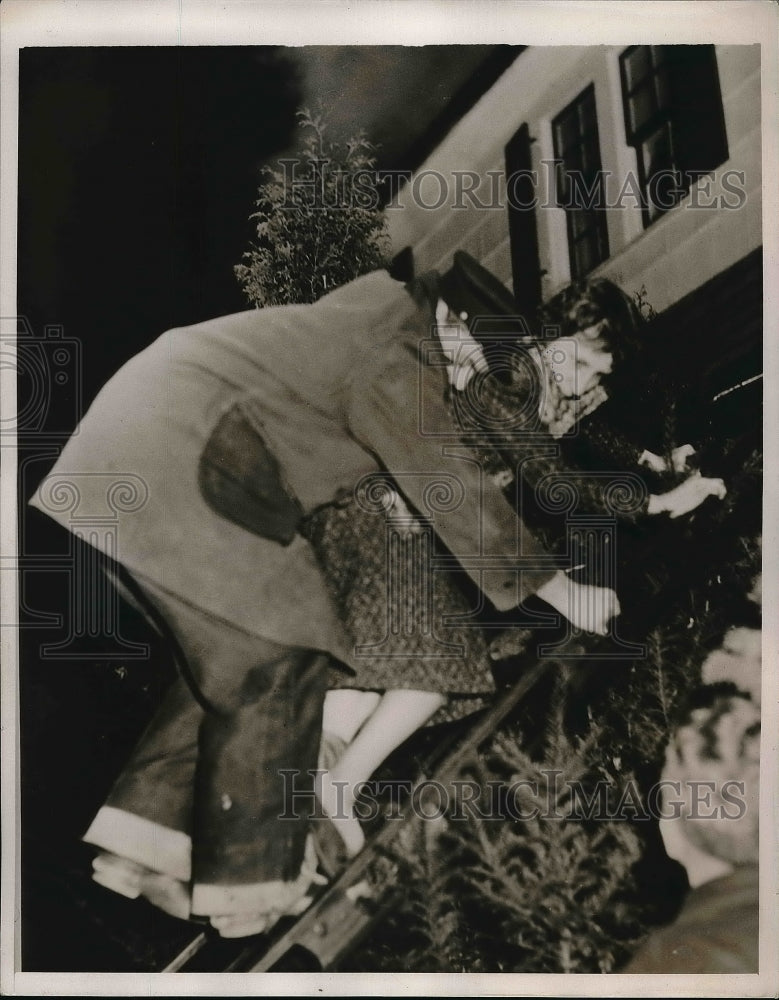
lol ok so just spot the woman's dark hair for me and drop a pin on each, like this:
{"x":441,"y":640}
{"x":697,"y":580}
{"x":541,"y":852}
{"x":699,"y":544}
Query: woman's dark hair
{"x":597,"y":302}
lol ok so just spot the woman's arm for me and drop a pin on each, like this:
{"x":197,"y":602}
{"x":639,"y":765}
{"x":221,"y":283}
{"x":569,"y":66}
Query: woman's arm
{"x":685,"y":497}
{"x":604,"y":456}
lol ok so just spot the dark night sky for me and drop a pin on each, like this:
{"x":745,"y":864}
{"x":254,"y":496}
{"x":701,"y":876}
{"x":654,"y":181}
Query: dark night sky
{"x":138,"y":169}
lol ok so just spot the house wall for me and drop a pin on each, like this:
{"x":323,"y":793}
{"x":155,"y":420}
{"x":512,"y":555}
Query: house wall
{"x":435,"y":215}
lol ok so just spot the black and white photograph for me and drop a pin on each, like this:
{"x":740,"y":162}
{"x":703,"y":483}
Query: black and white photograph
{"x":389,"y":497}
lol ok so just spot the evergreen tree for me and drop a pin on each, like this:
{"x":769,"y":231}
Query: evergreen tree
{"x":319,"y":221}
{"x":534,"y":875}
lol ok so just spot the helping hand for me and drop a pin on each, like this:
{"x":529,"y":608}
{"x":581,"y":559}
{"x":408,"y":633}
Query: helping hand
{"x":658,"y":464}
{"x":689,"y":495}
{"x":591,"y":608}
{"x":586,"y":606}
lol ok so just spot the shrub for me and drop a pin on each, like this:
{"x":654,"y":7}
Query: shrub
{"x":319,"y":221}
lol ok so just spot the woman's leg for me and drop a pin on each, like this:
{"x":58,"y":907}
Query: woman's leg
{"x":346,"y":709}
{"x":398,"y":714}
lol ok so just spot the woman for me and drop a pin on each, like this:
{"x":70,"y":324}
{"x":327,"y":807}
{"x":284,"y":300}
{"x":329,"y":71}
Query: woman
{"x":514,"y":409}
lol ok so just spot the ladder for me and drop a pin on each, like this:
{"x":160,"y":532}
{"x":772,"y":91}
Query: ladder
{"x":345,"y":910}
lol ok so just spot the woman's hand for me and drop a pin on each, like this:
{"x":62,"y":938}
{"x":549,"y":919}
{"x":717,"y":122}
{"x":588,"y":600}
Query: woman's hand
{"x":585,"y":606}
{"x":679,"y":457}
{"x":658,"y":464}
{"x":686,"y":496}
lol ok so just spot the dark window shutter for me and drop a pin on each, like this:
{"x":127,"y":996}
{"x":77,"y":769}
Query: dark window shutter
{"x":698,"y":116}
{"x":523,"y":231}
{"x":673,"y":119}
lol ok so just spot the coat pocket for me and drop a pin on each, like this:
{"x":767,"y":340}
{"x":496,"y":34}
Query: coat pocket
{"x":240,"y":479}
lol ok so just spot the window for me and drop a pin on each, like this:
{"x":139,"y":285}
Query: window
{"x":673,"y":119}
{"x":580,"y":182}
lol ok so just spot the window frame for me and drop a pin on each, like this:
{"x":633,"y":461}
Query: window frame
{"x":597,"y":220}
{"x":670,"y":116}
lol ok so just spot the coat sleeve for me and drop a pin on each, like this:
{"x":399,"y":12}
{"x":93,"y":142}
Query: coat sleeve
{"x":611,"y":491}
{"x":399,"y":413}
{"x":608,"y":484}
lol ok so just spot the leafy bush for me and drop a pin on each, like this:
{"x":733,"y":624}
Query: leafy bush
{"x":319,"y":221}
{"x":521,"y":879}
{"x":569,"y":894}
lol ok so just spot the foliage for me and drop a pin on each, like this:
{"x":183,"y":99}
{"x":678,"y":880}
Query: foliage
{"x":691,"y":585}
{"x":493,"y":891}
{"x":319,"y":221}
{"x":570,"y":895}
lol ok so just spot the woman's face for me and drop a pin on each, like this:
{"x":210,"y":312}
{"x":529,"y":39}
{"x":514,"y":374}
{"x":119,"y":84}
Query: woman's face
{"x":577,"y":363}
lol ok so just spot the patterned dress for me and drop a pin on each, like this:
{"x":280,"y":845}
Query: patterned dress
{"x":416,"y":627}
{"x":413,"y":626}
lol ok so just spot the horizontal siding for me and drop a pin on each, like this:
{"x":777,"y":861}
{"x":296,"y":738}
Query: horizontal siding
{"x":499,"y":262}
{"x":735,"y":63}
{"x":478,"y":140}
{"x":671,"y":257}
{"x":670,"y":267}
{"x":688,"y":246}
{"x":741,"y":103}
